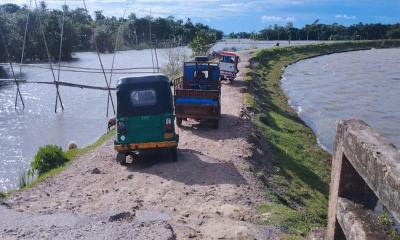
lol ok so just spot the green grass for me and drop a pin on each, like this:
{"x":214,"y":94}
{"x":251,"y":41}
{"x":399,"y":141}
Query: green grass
{"x":299,"y":169}
{"x":71,"y":155}
{"x":388,"y":224}
{"x":23,"y":179}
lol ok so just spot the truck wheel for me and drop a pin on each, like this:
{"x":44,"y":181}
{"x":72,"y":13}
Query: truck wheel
{"x":173,"y":154}
{"x":216,"y":124}
{"x":179,"y":122}
{"x":121,"y":158}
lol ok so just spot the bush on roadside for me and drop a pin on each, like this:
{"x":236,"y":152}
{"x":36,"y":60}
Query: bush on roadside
{"x":47,"y":158}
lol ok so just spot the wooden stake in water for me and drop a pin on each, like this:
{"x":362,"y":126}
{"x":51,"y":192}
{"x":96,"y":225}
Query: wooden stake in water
{"x":12,"y":71}
{"x":49,"y":58}
{"x":102,"y":66}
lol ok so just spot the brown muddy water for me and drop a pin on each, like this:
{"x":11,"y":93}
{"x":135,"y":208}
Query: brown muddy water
{"x":84,"y":118}
{"x":363,"y":85}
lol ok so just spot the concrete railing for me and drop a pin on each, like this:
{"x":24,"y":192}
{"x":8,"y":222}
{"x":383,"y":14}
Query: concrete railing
{"x":365,"y":169}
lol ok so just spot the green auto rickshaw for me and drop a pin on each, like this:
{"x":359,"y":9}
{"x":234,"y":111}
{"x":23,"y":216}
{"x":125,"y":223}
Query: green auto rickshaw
{"x":145,"y":116}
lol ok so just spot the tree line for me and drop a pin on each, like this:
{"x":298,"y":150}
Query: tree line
{"x":81,"y":30}
{"x":318,"y":31}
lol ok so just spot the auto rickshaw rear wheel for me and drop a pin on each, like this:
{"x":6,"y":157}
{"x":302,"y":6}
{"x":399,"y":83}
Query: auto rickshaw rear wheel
{"x":121,"y":158}
{"x":173,"y":153}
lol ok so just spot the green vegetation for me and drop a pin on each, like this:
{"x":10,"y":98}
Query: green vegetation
{"x":202,"y":43}
{"x":298,"y":174}
{"x":319,"y":31}
{"x":71,"y":155}
{"x":80,"y":28}
{"x":47,"y":158}
{"x":174,"y":66}
{"x":24,"y":179}
{"x":388,"y":224}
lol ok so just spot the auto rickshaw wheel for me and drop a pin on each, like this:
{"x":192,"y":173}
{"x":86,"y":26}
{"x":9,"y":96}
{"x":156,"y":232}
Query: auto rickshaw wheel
{"x":173,"y":153}
{"x":121,"y":158}
{"x":179,"y":122}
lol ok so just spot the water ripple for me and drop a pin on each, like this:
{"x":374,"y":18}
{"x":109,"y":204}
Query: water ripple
{"x":363,"y":85}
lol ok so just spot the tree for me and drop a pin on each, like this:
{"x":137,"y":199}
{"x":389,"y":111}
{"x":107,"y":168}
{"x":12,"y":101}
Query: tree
{"x":104,"y":39}
{"x":176,"y":57}
{"x":202,"y":43}
{"x":289,"y":30}
{"x":9,"y":8}
{"x":394,"y":33}
{"x":99,"y":16}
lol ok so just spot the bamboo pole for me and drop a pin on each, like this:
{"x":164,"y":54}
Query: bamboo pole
{"x":12,"y":71}
{"x":48,"y":56}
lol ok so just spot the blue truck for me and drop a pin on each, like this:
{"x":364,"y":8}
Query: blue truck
{"x":197,"y":95}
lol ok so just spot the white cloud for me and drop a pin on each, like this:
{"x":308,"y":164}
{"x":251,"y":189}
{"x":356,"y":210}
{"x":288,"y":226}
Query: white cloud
{"x":266,"y":19}
{"x":344,"y":16}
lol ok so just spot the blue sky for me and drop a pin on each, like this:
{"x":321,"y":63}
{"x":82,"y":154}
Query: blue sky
{"x":252,"y":15}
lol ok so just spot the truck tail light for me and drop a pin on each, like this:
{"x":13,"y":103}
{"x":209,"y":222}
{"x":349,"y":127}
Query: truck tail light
{"x":168,"y":124}
{"x":121,"y":128}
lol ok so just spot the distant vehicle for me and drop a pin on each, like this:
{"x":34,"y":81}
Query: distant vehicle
{"x":197,"y":94}
{"x":228,"y":65}
{"x":145,"y":116}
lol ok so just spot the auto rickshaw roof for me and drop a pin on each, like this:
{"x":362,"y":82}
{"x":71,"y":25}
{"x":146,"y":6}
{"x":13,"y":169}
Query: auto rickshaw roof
{"x":144,"y":79}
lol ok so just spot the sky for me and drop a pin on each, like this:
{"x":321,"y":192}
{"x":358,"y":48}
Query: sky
{"x":253,"y":15}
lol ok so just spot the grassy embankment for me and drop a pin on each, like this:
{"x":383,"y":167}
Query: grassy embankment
{"x":298,"y":171}
{"x":72,"y":155}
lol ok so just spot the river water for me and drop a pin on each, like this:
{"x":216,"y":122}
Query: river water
{"x":84,"y":118}
{"x":363,"y":85}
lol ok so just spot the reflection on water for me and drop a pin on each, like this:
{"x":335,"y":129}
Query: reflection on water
{"x":84,"y":118}
{"x":363,"y":85}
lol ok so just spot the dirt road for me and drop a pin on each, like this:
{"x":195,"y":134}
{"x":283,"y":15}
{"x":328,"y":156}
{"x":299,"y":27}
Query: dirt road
{"x":209,"y":193}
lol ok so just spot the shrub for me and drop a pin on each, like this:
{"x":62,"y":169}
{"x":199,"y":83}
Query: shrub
{"x":47,"y":158}
{"x":176,"y":57}
{"x":24,"y":179}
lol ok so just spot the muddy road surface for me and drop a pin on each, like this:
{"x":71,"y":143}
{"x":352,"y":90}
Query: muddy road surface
{"x":209,"y":193}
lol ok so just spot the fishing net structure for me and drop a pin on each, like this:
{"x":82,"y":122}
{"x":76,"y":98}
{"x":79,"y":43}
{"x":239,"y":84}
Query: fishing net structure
{"x":57,"y":68}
